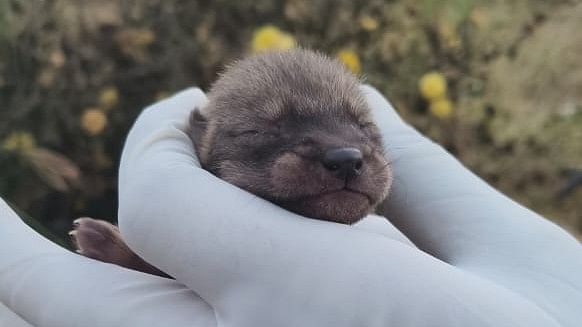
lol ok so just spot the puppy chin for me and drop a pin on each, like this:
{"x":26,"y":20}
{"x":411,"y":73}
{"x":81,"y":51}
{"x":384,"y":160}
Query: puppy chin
{"x":344,"y":207}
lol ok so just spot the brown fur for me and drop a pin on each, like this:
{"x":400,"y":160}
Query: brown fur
{"x":268,"y":122}
{"x":266,"y":128}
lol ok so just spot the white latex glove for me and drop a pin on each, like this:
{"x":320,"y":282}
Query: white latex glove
{"x":483,"y":259}
{"x":47,"y":285}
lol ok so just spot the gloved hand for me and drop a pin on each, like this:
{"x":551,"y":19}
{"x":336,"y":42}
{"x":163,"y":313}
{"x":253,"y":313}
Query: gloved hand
{"x":481,"y":260}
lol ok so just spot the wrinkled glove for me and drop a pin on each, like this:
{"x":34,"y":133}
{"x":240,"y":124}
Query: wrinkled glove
{"x":460,"y":254}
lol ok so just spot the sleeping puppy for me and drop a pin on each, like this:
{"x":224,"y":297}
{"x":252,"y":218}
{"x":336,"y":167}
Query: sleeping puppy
{"x":291,"y":127}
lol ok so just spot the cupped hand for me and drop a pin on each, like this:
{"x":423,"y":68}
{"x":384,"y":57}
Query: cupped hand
{"x":460,"y":254}
{"x":481,"y":258}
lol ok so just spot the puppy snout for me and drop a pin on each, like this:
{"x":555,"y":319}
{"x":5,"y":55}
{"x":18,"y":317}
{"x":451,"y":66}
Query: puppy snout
{"x":344,"y":162}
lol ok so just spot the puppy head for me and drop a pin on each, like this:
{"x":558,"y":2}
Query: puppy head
{"x":292,"y":127}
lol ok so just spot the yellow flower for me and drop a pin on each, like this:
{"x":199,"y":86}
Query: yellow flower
{"x":19,"y":142}
{"x":93,"y":121}
{"x":270,"y":37}
{"x":350,"y":59}
{"x":368,"y":23}
{"x":108,"y":97}
{"x":441,"y":108}
{"x":433,"y":86}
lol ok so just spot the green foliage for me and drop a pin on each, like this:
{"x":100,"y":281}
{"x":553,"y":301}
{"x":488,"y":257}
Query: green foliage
{"x":456,"y":11}
{"x":75,"y":74}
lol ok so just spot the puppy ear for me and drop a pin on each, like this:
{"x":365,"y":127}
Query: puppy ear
{"x":198,"y":126}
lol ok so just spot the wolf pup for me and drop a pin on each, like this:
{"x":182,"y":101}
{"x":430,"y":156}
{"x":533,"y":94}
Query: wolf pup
{"x":291,"y":127}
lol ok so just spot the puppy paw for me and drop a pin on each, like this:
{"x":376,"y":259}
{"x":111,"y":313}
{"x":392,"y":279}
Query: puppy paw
{"x":97,"y":239}
{"x":101,"y":240}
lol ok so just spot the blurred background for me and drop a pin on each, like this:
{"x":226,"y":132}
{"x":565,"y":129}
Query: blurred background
{"x":498,"y":83}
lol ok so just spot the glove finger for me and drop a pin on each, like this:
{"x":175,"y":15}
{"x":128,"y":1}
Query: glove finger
{"x":47,"y":285}
{"x":454,"y":215}
{"x":171,"y":116}
{"x":443,"y":207}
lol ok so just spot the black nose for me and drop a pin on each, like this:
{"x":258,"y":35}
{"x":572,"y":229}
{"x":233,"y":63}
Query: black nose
{"x":346,"y":162}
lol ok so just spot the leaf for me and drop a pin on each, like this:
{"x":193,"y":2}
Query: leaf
{"x":55,"y":169}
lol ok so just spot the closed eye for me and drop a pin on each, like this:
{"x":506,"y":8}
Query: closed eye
{"x":250,"y":132}
{"x":366,"y":125}
{"x":253,"y":133}
{"x":239,"y":133}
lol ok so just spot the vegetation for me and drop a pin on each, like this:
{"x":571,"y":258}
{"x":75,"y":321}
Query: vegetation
{"x":496,"y":82}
